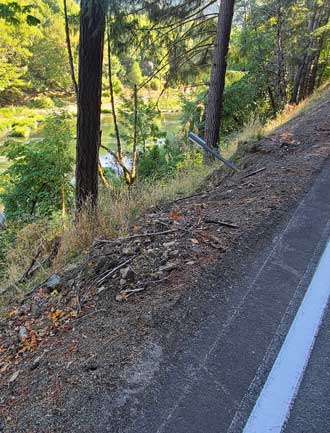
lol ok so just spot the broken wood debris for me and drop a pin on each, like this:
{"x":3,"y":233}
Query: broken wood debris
{"x":108,"y":273}
{"x":221,"y":223}
{"x":142,"y":235}
{"x":125,"y":294}
{"x":254,"y":172}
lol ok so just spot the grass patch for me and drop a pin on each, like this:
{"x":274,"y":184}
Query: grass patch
{"x":255,"y":130}
{"x":20,"y":132}
{"x":19,"y":121}
{"x":118,"y":210}
{"x":106,"y":110}
{"x":42,"y":102}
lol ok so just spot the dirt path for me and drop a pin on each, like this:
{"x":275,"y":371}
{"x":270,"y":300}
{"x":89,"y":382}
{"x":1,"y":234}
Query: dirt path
{"x":78,"y":353}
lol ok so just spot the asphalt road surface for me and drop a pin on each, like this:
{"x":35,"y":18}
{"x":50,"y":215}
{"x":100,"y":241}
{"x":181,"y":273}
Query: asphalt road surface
{"x":262,"y":363}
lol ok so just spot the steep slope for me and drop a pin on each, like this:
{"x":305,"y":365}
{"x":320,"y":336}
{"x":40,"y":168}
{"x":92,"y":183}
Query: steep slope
{"x":76,"y":352}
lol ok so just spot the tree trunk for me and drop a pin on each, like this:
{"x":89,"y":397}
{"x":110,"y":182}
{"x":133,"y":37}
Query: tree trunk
{"x":316,"y":58}
{"x":69,"y":48}
{"x":299,"y":91}
{"x":299,"y":78}
{"x":272,"y":100}
{"x":313,"y":72}
{"x":135,"y":136}
{"x":281,"y":72}
{"x":314,"y":50}
{"x":297,"y":81}
{"x":218,"y":73}
{"x":112,"y":97}
{"x":92,"y":27}
{"x":321,"y":70}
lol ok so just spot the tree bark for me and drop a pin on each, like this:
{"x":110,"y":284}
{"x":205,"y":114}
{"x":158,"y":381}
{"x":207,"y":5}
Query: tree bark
{"x":92,"y":27}
{"x":218,"y":73}
{"x":312,"y":79}
{"x":299,"y":78}
{"x":281,"y":70}
{"x":300,"y":88}
{"x":112,"y":97}
{"x":272,"y":100}
{"x":135,"y":136}
{"x":69,"y":47}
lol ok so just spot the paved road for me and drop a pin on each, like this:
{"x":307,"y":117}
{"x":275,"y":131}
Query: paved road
{"x":213,"y":381}
{"x":311,"y":411}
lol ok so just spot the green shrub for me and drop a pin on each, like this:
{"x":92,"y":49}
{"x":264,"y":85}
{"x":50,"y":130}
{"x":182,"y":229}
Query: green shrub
{"x":37,"y":182}
{"x":30,"y":122}
{"x":105,"y":110}
{"x":7,"y":239}
{"x":190,"y":160}
{"x":164,"y":161}
{"x":20,"y":132}
{"x":155,"y":84}
{"x":58,"y":102}
{"x":42,"y":102}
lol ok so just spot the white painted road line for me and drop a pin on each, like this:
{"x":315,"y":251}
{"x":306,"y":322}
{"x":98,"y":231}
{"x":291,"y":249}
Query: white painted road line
{"x":272,"y":408}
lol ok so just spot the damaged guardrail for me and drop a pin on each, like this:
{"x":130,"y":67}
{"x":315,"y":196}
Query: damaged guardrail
{"x":197,"y":140}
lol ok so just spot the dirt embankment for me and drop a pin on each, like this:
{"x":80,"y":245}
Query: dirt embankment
{"x":73,"y":347}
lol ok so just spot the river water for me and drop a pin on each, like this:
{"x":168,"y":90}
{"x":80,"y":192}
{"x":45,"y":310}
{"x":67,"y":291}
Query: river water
{"x":170,"y":123}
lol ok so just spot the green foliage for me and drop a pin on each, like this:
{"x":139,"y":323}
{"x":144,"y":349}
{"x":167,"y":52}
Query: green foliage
{"x":155,"y":163}
{"x":13,"y":13}
{"x":20,"y":132}
{"x":34,"y":58}
{"x":41,"y":101}
{"x":155,"y":84}
{"x":159,"y":162}
{"x":37,"y":183}
{"x":243,"y":101}
{"x":135,"y":74}
{"x":16,"y":118}
{"x":7,"y":239}
{"x":148,"y":123}
{"x":193,"y":116}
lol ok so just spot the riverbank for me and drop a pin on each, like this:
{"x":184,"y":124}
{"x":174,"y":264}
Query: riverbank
{"x":24,"y":124}
{"x":22,"y":121}
{"x":119,"y":310}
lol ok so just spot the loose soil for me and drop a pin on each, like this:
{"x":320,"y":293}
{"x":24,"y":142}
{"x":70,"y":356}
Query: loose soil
{"x":76,"y":353}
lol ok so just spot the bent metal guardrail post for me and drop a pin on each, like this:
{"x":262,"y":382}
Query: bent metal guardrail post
{"x":197,"y":140}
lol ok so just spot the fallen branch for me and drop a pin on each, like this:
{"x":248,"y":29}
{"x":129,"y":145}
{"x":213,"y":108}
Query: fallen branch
{"x":101,"y":310}
{"x":31,"y":269}
{"x":254,"y":172}
{"x":35,"y":267}
{"x":221,"y":223}
{"x":108,"y":274}
{"x":190,"y":196}
{"x":142,"y":235}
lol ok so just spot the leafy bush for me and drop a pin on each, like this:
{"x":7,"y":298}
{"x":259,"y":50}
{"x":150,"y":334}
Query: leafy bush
{"x":58,"y":102}
{"x":7,"y":239}
{"x":20,"y":132}
{"x":148,"y":123}
{"x":165,"y":161}
{"x":155,"y":84}
{"x":42,"y":102}
{"x":194,"y":113}
{"x":154,"y":163}
{"x":134,"y":75}
{"x":30,"y":122}
{"x":242,"y":102}
{"x":105,"y":110}
{"x":37,"y":183}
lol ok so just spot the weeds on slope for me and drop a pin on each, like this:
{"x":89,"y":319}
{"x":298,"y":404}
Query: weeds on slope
{"x":119,"y":209}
